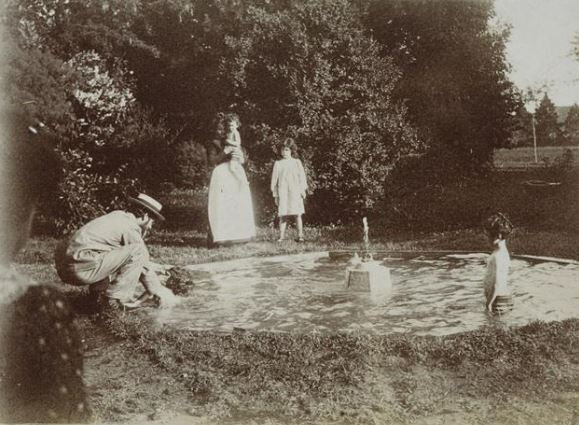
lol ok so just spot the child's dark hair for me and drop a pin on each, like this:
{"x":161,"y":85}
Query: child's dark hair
{"x":498,"y":226}
{"x":291,"y":145}
{"x":231,"y":117}
{"x":221,"y":123}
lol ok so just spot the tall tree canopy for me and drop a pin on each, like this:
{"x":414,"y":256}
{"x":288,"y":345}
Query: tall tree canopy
{"x":291,"y":69}
{"x":455,"y":76}
{"x":132,"y":88}
{"x":311,"y":73}
{"x":67,"y":62}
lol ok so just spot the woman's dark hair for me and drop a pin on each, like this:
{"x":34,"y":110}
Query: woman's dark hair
{"x":291,"y":144}
{"x":498,"y":225}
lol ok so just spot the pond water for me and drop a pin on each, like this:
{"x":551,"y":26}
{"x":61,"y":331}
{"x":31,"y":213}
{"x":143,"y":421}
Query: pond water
{"x":431,"y":294}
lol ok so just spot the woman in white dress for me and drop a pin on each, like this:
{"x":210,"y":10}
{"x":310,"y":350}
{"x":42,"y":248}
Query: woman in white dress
{"x":230,"y":207}
{"x":288,"y":186}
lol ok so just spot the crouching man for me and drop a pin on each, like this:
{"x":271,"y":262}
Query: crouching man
{"x":110,"y":255}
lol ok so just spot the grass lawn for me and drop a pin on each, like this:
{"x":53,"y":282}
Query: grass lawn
{"x":524,"y":157}
{"x":137,"y":372}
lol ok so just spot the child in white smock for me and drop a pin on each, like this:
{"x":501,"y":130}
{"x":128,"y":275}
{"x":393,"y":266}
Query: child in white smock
{"x":497,"y":290}
{"x":288,"y":186}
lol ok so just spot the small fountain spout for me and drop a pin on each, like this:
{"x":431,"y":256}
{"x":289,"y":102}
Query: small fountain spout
{"x":366,"y":241}
{"x":366,"y":230}
{"x":365,"y":274}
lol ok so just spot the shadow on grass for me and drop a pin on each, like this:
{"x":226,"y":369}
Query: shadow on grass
{"x":178,"y":239}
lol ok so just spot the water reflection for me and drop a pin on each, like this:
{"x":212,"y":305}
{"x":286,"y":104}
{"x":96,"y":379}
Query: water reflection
{"x":305,"y":293}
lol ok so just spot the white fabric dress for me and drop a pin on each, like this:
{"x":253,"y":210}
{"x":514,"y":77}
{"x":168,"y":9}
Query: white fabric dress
{"x":498,"y":264}
{"x":288,"y":183}
{"x":230,"y":207}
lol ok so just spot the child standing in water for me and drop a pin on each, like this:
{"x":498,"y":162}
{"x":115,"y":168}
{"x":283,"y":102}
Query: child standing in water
{"x":497,"y":290}
{"x":233,"y":144}
{"x":288,"y":186}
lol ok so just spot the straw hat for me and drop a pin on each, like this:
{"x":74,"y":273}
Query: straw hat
{"x":149,"y":203}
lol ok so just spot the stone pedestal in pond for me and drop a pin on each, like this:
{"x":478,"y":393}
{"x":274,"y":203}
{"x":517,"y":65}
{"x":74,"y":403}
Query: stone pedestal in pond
{"x":369,"y":276}
{"x":366,"y":274}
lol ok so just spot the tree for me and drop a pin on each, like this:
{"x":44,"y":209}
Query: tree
{"x":359,"y":88}
{"x":183,"y":81}
{"x":69,"y":62}
{"x":547,"y":126}
{"x":571,"y":125}
{"x":310,"y":72}
{"x":455,"y":79}
{"x":66,"y":27}
{"x":300,"y":69}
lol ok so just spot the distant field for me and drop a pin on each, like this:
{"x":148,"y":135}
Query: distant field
{"x":525,"y":158}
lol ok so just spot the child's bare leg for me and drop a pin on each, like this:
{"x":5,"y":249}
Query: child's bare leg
{"x":300,"y":225}
{"x":282,"y":226}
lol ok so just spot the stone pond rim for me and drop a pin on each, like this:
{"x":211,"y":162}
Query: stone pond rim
{"x":338,"y":254}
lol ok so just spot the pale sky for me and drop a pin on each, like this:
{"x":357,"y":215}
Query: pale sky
{"x":540,"y":46}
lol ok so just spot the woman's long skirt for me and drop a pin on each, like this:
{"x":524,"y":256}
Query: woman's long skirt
{"x":230,"y":207}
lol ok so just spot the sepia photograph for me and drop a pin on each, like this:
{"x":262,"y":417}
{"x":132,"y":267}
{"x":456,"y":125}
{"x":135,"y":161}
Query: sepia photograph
{"x":287,"y":212}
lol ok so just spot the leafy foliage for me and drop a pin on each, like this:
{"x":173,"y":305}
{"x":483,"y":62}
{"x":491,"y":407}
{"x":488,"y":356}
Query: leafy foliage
{"x":309,"y":72}
{"x":87,"y":97}
{"x":134,"y":85}
{"x":191,"y":168}
{"x":455,"y":78}
{"x":78,"y":191}
{"x":101,"y":99}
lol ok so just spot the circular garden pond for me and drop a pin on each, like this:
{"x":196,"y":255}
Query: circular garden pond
{"x":432,"y":294}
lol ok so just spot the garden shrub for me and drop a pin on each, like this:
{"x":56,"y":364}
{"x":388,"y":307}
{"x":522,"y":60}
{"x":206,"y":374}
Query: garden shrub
{"x":191,"y":167}
{"x":331,"y":91}
{"x":107,"y":143}
{"x":83,"y":194}
{"x":358,"y":86}
{"x":94,"y":178}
